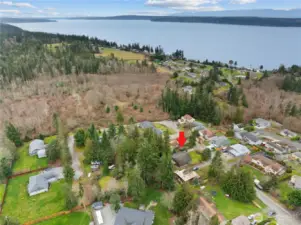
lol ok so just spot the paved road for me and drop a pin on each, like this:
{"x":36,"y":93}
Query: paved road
{"x":75,"y":159}
{"x":283,"y":216}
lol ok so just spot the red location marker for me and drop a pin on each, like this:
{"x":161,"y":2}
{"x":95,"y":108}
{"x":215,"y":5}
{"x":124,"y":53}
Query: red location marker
{"x":181,"y":139}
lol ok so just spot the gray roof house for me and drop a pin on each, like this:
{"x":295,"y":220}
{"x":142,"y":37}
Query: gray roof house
{"x":35,"y":146}
{"x":40,"y":183}
{"x":251,"y":138}
{"x":181,"y":158}
{"x":238,"y":150}
{"x":262,"y":123}
{"x":103,"y":215}
{"x":219,"y":141}
{"x":126,"y":216}
{"x":275,"y":147}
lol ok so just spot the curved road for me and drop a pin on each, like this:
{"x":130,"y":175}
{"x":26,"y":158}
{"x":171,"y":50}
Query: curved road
{"x":283,"y":216}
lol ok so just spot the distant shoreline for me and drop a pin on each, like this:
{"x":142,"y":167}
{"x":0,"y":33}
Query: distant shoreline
{"x":244,"y":21}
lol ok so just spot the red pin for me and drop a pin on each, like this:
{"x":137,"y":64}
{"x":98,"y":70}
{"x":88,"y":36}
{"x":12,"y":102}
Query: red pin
{"x":181,"y":139}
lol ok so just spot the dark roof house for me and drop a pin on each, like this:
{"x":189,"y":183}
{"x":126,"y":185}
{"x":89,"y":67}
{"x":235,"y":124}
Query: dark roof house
{"x":181,"y":158}
{"x":126,"y":216}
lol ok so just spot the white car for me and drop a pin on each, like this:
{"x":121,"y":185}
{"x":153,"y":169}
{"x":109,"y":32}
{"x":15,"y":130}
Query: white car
{"x":251,"y":217}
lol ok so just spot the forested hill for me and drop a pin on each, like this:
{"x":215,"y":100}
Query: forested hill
{"x":9,"y":29}
{"x":251,"y":21}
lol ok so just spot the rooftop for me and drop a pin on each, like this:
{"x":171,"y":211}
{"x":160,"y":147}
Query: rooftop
{"x":239,"y":150}
{"x":126,"y":216}
{"x":181,"y":158}
{"x":186,"y":175}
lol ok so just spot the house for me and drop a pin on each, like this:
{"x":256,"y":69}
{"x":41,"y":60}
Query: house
{"x":219,"y":141}
{"x":186,"y":119}
{"x":181,"y":158}
{"x":297,"y":156}
{"x":206,"y":134}
{"x":42,"y":153}
{"x":186,"y":175}
{"x":251,"y":138}
{"x":288,"y":133}
{"x":191,"y":75}
{"x":269,"y":166}
{"x":241,"y":220}
{"x":275,"y":147}
{"x":35,"y":146}
{"x":238,"y":150}
{"x":40,"y":183}
{"x":149,"y":125}
{"x":197,"y":126}
{"x":262,"y":123}
{"x":127,"y":216}
{"x":296,"y":181}
{"x":103,"y":215}
{"x":188,"y":89}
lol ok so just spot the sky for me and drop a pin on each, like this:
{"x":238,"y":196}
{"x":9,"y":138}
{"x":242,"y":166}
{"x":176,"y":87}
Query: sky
{"x":69,"y":8}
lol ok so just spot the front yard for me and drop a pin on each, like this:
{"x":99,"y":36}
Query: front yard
{"x":78,"y":218}
{"x":231,"y":208}
{"x":18,"y":204}
{"x":25,"y":162}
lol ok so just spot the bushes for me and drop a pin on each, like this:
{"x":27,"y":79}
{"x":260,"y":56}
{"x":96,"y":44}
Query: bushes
{"x":13,"y":134}
{"x":108,"y":109}
{"x":297,"y":138}
{"x":284,"y":177}
{"x":249,"y":128}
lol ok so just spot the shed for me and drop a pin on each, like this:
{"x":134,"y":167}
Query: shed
{"x":35,"y":146}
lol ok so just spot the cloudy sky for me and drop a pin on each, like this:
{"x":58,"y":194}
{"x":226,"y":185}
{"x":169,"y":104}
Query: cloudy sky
{"x":58,"y":8}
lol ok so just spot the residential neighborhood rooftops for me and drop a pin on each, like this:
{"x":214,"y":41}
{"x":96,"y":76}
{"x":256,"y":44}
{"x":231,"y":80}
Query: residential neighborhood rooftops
{"x":238,"y":150}
{"x":276,"y":147}
{"x":127,"y":216}
{"x":207,"y":133}
{"x":220,"y":141}
{"x":262,"y":123}
{"x":241,"y":220}
{"x":266,"y":162}
{"x":250,"y":136}
{"x":181,"y":158}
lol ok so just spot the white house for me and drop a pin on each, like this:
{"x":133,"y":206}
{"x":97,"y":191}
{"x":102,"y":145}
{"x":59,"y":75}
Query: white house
{"x":35,"y":146}
{"x":251,"y":138}
{"x":186,"y":119}
{"x":262,"y":123}
{"x":238,"y":150}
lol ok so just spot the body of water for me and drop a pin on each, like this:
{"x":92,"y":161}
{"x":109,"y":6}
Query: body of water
{"x":250,"y":46}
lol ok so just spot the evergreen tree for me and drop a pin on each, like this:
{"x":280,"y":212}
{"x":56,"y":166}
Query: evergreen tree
{"x":136,"y":185}
{"x":106,"y":153}
{"x":216,"y":168}
{"x":293,"y":111}
{"x":214,"y":220}
{"x":112,"y":131}
{"x":244,"y":101}
{"x":5,"y":168}
{"x":238,"y":117}
{"x":294,"y":198}
{"x":92,"y":132}
{"x":121,"y":130}
{"x":68,"y":174}
{"x":80,"y":138}
{"x":13,"y":134}
{"x":119,"y":117}
{"x":206,"y":154}
{"x":53,"y":151}
{"x":182,"y":200}
{"x":166,"y":172}
{"x":115,"y":201}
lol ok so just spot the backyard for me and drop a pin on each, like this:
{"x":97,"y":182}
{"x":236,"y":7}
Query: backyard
{"x":25,"y":162}
{"x":231,"y":208}
{"x":195,"y":157}
{"x":19,"y":204}
{"x":164,"y":128}
{"x":78,"y":218}
{"x":121,"y":54}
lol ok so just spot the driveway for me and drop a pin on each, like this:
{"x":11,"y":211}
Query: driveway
{"x":283,"y":216}
{"x":172,"y":125}
{"x":75,"y":159}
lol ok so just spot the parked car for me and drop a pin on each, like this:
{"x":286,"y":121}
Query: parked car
{"x":271,"y":213}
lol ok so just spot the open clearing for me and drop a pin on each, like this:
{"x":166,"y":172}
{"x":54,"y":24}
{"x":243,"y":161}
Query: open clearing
{"x":78,"y":218}
{"x":25,"y":162}
{"x":121,"y":54}
{"x":18,"y":204}
{"x":195,"y":157}
{"x":231,"y":208}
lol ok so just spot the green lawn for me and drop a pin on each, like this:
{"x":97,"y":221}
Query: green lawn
{"x":150,"y":195}
{"x":233,"y":141}
{"x":284,"y":189}
{"x":47,"y":140}
{"x":164,"y":128}
{"x":25,"y":162}
{"x":2,"y":189}
{"x":121,"y":54}
{"x":78,"y":218}
{"x":195,"y":157}
{"x":254,"y":172}
{"x":162,"y":215}
{"x":18,"y":204}
{"x":231,"y":208}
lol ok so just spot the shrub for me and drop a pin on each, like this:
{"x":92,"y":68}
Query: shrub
{"x":297,"y":138}
{"x":135,"y":107}
{"x":108,"y":109}
{"x":116,"y":108}
{"x":249,"y":128}
{"x":284,"y":177}
{"x":141,"y":109}
{"x":230,"y":133}
{"x":13,"y":134}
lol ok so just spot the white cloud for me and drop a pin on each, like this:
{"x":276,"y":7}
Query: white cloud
{"x":242,"y":2}
{"x":189,"y":5}
{"x":18,"y":4}
{"x":10,"y":11}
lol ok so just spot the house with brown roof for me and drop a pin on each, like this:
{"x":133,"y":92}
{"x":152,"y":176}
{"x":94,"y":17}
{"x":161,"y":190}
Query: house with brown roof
{"x":268,"y":165}
{"x":207,"y":134}
{"x":186,"y":175}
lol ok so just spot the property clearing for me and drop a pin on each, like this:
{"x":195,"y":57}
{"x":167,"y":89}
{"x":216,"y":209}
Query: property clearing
{"x":25,"y":162}
{"x":121,"y":54}
{"x":18,"y":204}
{"x":195,"y":157}
{"x":164,"y":128}
{"x":79,"y":218}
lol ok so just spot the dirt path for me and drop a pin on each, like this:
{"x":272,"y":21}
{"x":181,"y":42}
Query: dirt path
{"x":75,"y":158}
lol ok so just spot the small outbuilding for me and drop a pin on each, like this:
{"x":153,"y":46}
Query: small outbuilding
{"x":35,"y":146}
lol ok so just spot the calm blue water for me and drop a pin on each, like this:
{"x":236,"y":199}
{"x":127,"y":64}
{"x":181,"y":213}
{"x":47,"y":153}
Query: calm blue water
{"x":248,"y":45}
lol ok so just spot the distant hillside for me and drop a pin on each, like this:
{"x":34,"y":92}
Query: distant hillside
{"x":267,"y":13}
{"x":25,"y":20}
{"x":9,"y":29}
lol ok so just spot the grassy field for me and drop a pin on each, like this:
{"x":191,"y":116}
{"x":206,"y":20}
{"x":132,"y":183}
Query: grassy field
{"x":195,"y":157}
{"x":162,"y":215}
{"x":254,"y":172}
{"x":231,"y":208}
{"x":2,"y":189}
{"x":26,"y":162}
{"x":121,"y":54}
{"x":78,"y":218}
{"x":18,"y":204}
{"x":164,"y":128}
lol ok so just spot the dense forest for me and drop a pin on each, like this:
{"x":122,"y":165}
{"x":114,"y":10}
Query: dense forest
{"x":26,"y":55}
